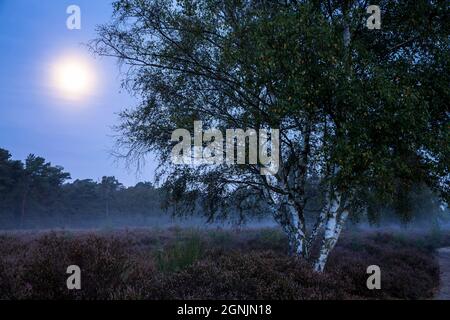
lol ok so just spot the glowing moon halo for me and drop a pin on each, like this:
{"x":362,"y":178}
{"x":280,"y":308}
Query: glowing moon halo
{"x":73,"y":77}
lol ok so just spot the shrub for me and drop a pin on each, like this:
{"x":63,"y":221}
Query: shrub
{"x":179,"y":255}
{"x":258,"y":275}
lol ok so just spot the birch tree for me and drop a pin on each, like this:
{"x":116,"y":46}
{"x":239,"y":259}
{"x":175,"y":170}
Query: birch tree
{"x":361,"y":113}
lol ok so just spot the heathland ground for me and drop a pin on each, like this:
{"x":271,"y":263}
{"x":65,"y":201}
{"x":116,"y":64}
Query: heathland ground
{"x":177,"y":263}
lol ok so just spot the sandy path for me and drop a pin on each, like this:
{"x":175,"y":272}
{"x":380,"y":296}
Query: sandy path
{"x":444,"y":264}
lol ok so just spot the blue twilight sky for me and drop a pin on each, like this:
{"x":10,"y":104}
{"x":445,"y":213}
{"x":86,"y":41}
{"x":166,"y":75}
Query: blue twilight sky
{"x":34,"y":116}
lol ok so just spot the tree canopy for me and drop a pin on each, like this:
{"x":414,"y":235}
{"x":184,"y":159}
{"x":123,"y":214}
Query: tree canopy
{"x":363,"y":113}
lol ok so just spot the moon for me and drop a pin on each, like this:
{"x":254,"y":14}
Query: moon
{"x":73,"y":77}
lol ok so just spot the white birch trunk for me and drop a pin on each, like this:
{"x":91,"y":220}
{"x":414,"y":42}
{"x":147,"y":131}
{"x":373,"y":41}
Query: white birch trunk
{"x":287,"y":216}
{"x":297,"y":230}
{"x":333,"y":228}
{"x":319,"y":224}
{"x":336,"y":217}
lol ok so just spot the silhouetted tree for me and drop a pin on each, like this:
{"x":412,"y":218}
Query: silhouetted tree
{"x":10,"y":174}
{"x":109,"y":186}
{"x":39,"y":179}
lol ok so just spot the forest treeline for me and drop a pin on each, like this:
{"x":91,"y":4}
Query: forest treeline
{"x":34,"y":193}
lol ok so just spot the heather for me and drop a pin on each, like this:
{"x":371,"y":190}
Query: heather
{"x":213,"y":264}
